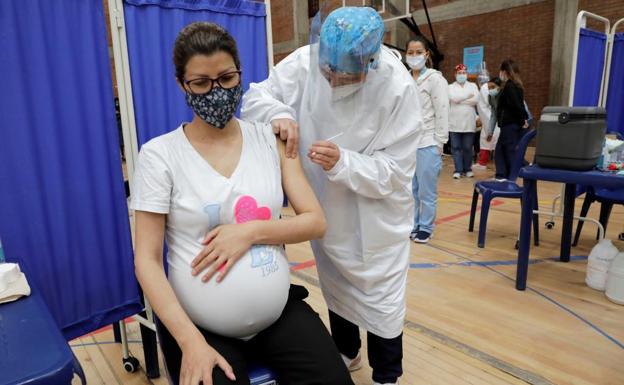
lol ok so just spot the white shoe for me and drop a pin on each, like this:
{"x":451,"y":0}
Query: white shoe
{"x":478,"y":166}
{"x":352,"y":364}
{"x":469,"y":174}
{"x":500,"y":180}
{"x":456,"y":175}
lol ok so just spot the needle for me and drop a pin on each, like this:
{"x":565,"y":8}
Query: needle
{"x":334,"y":137}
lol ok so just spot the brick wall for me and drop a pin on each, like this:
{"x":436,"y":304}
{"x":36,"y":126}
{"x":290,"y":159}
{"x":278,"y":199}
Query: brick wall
{"x":523,"y":33}
{"x":283,"y":21}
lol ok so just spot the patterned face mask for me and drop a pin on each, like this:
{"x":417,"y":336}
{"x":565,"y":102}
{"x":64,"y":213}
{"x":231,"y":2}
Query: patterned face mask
{"x":217,"y":106}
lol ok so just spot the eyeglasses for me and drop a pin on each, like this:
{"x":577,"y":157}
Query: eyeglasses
{"x":204,"y":85}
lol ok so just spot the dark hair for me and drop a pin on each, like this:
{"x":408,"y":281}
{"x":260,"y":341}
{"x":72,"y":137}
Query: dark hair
{"x":496,"y":80}
{"x":513,"y":71}
{"x":422,"y":40}
{"x":201,"y":38}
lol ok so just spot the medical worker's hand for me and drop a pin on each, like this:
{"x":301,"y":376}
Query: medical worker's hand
{"x":198,"y":361}
{"x":489,"y":138}
{"x":325,"y":154}
{"x":288,"y":130}
{"x":223,"y":247}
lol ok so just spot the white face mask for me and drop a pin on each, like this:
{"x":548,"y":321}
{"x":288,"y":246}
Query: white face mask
{"x":416,"y":62}
{"x":461,"y":78}
{"x":493,"y":92}
{"x":341,"y":92}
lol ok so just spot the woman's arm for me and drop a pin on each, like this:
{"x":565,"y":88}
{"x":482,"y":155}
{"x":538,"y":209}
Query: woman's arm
{"x":198,"y":358}
{"x":226,"y":244}
{"x":309,"y":222}
{"x":454,"y":96}
{"x":473,"y":97}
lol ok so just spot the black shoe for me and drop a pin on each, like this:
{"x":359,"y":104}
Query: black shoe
{"x":422,"y":237}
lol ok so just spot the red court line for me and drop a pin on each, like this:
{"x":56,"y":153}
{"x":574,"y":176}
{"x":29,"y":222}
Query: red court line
{"x":464,"y":213}
{"x":303,"y":265}
{"x":312,"y":262}
{"x":108,"y":327}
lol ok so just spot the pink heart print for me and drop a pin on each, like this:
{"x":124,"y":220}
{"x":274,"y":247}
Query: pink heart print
{"x":247,"y":209}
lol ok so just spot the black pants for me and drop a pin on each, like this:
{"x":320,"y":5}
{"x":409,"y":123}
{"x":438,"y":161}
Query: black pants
{"x":505,"y":152}
{"x":384,"y":355}
{"x":297,"y":347}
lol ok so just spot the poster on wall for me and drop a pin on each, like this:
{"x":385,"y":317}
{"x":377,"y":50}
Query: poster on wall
{"x":473,"y":57}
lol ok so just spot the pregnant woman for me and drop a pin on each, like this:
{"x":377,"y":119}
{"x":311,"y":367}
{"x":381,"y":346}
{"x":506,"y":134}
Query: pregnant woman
{"x":213,"y":189}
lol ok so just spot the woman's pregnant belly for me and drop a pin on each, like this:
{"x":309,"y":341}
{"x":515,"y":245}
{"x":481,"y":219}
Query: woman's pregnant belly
{"x":250,"y":298}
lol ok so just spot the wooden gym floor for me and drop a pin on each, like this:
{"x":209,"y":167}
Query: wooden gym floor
{"x":466,"y":323}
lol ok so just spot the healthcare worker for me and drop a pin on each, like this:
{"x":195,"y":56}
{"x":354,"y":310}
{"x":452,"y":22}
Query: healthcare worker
{"x":463,"y":96}
{"x":489,"y":129}
{"x":434,"y":100}
{"x":348,"y":87}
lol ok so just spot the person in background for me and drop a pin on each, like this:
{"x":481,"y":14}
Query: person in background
{"x":463,"y":96}
{"x":512,"y":117}
{"x":434,"y":102}
{"x":487,"y":114}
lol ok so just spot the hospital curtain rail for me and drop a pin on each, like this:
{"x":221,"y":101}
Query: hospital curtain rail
{"x":63,"y":212}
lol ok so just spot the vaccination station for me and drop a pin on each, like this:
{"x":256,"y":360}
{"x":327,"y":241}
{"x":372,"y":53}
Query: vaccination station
{"x":312,"y":192}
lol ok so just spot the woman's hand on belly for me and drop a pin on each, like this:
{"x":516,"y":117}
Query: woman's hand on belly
{"x":223,"y":247}
{"x":198,"y":361}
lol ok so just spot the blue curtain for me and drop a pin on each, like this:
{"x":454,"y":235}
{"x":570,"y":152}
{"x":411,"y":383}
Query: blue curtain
{"x":615,"y":95}
{"x":152,"y":27}
{"x":589,"y":67}
{"x":63,"y":211}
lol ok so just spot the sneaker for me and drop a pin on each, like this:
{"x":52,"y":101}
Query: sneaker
{"x":478,"y":166}
{"x":413,"y":233}
{"x":352,"y":364}
{"x":422,"y":237}
{"x":469,"y":174}
{"x":456,"y":175}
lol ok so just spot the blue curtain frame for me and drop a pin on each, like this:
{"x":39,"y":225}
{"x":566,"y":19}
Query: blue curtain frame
{"x":63,"y":212}
{"x":589,"y":67}
{"x":615,"y":93}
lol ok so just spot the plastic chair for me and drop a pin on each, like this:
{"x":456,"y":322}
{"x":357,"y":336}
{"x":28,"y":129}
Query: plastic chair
{"x":606,"y":198}
{"x":490,"y":189}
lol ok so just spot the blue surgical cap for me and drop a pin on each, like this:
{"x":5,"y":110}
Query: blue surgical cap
{"x":350,"y":39}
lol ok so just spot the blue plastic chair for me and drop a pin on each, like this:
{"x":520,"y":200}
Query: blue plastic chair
{"x":490,"y":189}
{"x":606,"y":198}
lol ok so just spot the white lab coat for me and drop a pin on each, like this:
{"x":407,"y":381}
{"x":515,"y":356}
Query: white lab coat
{"x":462,"y":115}
{"x":364,"y":257}
{"x":485,"y":114}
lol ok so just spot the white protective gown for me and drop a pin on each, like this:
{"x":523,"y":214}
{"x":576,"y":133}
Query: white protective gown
{"x":364,"y":257}
{"x":485,"y":114}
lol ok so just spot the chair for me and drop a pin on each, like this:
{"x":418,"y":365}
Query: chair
{"x":606,"y":198}
{"x":490,"y":189}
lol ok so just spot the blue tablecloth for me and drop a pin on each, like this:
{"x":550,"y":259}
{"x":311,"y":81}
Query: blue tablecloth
{"x":531,"y":175}
{"x":32,"y":348}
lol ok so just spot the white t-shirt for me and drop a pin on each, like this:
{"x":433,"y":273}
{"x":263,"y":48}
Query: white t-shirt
{"x":172,"y":178}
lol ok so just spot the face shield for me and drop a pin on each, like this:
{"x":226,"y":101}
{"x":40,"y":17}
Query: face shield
{"x":344,"y":54}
